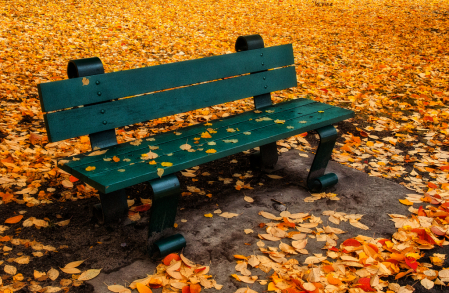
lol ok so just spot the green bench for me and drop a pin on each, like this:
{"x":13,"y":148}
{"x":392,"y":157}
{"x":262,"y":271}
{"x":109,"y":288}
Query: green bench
{"x":92,"y":102}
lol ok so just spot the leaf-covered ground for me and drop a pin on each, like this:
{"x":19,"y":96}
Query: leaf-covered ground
{"x":386,"y":60}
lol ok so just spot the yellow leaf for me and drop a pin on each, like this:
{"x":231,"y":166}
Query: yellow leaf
{"x":89,"y":275}
{"x":211,"y":151}
{"x":70,"y":270}
{"x":166,"y":164}
{"x":160,"y":171}
{"x":209,"y":215}
{"x":272,"y":287}
{"x":152,"y":162}
{"x":90,"y":168}
{"x":206,"y":135}
{"x":279,"y":121}
{"x":275,"y":176}
{"x":74,"y":264}
{"x":406,"y":202}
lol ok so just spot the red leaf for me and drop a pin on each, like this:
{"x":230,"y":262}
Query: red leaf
{"x":142,"y":208}
{"x":351,"y":242}
{"x":364,"y":285}
{"x":421,"y":212}
{"x":73,"y":179}
{"x":412,"y":263}
{"x":382,"y":241}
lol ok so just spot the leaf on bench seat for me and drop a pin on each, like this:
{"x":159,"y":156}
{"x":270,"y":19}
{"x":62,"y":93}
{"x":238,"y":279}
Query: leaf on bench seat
{"x":185,"y":147}
{"x":97,"y":153}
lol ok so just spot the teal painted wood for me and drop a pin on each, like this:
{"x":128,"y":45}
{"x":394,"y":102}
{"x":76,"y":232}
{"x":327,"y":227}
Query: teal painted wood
{"x":173,"y":146}
{"x":186,"y":134}
{"x":141,"y":171}
{"x":85,"y":120}
{"x":70,"y":93}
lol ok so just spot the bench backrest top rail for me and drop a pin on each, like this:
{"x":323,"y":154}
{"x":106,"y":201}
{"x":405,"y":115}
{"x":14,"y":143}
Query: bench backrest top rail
{"x":80,"y":91}
{"x":211,"y":87}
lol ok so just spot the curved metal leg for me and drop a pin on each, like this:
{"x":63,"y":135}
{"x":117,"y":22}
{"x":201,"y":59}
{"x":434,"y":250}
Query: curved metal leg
{"x":166,"y":192}
{"x":317,"y":180}
{"x":113,"y":206}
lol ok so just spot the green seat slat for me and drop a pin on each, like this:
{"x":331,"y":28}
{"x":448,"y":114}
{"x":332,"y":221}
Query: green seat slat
{"x":85,"y":120}
{"x":269,"y":131}
{"x":70,"y":93}
{"x":172,"y":146}
{"x":186,"y":132}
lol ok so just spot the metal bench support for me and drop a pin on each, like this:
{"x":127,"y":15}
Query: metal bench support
{"x":317,"y":180}
{"x":166,"y":192}
{"x":113,"y":206}
{"x":267,"y":156}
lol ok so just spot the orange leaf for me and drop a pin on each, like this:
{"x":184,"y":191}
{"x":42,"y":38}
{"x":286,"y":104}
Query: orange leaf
{"x":142,"y":288}
{"x":5,"y":238}
{"x":195,"y":288}
{"x":186,"y":289}
{"x":167,"y":260}
{"x":240,"y":256}
{"x":400,"y":275}
{"x":333,"y":281}
{"x":7,"y":197}
{"x":406,"y":202}
{"x":73,"y":179}
{"x":328,"y":268}
{"x":14,"y":220}
{"x":444,"y":168}
{"x":115,"y":159}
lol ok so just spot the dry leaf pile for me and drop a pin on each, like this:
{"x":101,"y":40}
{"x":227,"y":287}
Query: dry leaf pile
{"x":358,"y":264}
{"x":15,"y":281}
{"x":176,"y":273}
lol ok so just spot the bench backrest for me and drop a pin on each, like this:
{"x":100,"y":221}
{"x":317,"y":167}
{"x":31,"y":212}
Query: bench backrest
{"x":94,"y":104}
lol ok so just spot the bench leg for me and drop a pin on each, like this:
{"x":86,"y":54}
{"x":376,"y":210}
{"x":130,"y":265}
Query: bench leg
{"x":266,"y":157}
{"x":317,"y":180}
{"x":113,"y":206}
{"x":166,"y":194}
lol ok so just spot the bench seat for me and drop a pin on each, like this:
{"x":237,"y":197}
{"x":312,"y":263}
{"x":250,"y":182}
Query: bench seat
{"x":251,"y":129}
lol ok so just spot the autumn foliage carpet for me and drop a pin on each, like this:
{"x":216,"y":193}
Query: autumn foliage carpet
{"x":387,"y":60}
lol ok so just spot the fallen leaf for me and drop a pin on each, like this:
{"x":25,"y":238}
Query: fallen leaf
{"x":53,"y":274}
{"x":275,"y":176}
{"x":248,"y":199}
{"x":14,"y":220}
{"x":89,"y":274}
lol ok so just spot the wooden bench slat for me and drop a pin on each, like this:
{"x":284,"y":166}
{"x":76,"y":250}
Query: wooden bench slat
{"x":186,"y":133}
{"x":113,"y":180}
{"x":85,"y":120}
{"x":70,"y":93}
{"x":172,"y":144}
